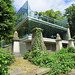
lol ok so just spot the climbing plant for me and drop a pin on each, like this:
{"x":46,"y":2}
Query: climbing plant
{"x":38,"y":40}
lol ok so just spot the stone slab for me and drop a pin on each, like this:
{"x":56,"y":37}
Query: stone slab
{"x":41,"y":71}
{"x":72,"y":73}
{"x":18,"y":72}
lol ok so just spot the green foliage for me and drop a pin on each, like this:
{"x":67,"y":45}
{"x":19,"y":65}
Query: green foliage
{"x":71,"y":49}
{"x":26,"y":54}
{"x":37,"y":57}
{"x":50,"y":13}
{"x":36,"y":53}
{"x":59,"y":62}
{"x":5,"y":59}
{"x":62,"y":51}
{"x":7,"y":18}
{"x":38,"y":42}
{"x":70,"y":13}
{"x":36,"y":12}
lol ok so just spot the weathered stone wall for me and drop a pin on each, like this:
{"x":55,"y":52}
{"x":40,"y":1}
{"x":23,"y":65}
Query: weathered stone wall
{"x":50,"y":46}
{"x":24,"y":46}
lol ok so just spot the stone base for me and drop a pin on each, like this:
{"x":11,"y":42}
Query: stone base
{"x":17,"y":55}
{"x":71,"y":43}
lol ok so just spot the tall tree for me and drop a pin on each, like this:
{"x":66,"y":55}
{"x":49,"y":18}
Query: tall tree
{"x":50,"y":13}
{"x":7,"y":18}
{"x":70,"y":13}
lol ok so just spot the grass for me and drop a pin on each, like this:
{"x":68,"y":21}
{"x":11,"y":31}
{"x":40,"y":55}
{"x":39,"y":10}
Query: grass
{"x":23,"y":64}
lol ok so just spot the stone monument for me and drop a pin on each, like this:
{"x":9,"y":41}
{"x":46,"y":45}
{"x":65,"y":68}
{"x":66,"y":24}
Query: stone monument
{"x":16,"y":45}
{"x":58,"y":43}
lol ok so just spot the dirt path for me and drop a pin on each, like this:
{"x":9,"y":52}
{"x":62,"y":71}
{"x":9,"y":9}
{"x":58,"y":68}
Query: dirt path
{"x":24,"y":67}
{"x":23,"y":64}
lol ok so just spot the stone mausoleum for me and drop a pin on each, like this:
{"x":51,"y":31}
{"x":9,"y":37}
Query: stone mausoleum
{"x":28,"y":19}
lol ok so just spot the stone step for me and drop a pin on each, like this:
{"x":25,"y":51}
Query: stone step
{"x":41,"y":71}
{"x":72,"y":73}
{"x":17,"y":72}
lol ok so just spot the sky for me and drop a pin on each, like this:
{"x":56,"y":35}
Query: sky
{"x":43,"y":5}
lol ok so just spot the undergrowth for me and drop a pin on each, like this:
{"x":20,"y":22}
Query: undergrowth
{"x":59,"y":62}
{"x":5,"y":60}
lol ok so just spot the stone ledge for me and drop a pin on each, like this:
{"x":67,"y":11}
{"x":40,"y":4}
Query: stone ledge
{"x":17,"y":72}
{"x":72,"y":73}
{"x":41,"y":71}
{"x":17,"y":55}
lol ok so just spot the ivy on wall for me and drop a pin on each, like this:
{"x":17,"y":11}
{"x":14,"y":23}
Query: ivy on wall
{"x":37,"y":40}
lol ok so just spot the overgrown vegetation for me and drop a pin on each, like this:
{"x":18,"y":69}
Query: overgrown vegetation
{"x":71,"y":49}
{"x":59,"y":62}
{"x":7,"y":19}
{"x":26,"y":54}
{"x":37,"y":41}
{"x":5,"y":59}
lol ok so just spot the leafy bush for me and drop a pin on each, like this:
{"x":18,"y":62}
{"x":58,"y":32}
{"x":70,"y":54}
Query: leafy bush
{"x":5,"y":59}
{"x":26,"y":54}
{"x":71,"y":49}
{"x":62,"y":51}
{"x":59,"y":62}
{"x":36,"y":53}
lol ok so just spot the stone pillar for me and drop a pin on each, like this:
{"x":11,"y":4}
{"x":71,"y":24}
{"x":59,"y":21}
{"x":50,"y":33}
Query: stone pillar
{"x":68,"y":32}
{"x":16,"y":45}
{"x":71,"y":43}
{"x":58,"y":43}
{"x":70,"y":40}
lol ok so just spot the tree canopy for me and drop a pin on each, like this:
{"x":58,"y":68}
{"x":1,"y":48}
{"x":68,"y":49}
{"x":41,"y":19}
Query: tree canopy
{"x":53,"y":14}
{"x":70,"y":13}
{"x":7,"y":18}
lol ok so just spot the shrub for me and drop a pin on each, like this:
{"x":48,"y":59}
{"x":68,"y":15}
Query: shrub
{"x":5,"y":59}
{"x":71,"y":49}
{"x":59,"y":62}
{"x":62,"y":51}
{"x":36,"y":53}
{"x":30,"y":58}
{"x":26,"y":54}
